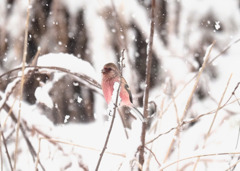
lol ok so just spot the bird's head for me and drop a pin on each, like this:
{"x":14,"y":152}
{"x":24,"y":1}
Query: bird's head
{"x":110,"y":70}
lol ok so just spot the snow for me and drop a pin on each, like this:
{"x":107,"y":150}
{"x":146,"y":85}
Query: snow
{"x":113,"y":104}
{"x":62,"y":60}
{"x":42,"y":96}
{"x":72,"y":144}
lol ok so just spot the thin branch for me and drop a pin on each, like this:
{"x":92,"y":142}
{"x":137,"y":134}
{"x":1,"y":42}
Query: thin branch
{"x":22,"y":84}
{"x":114,"y":114}
{"x":54,"y":141}
{"x":232,"y":167}
{"x":6,"y":149}
{"x":214,"y":118}
{"x":177,"y":129}
{"x":225,"y":49}
{"x":190,"y":97}
{"x":155,"y":157}
{"x":201,"y":155}
{"x":147,"y":83}
{"x":94,"y":84}
{"x":17,"y":82}
{"x":29,"y":144}
{"x":192,"y":120}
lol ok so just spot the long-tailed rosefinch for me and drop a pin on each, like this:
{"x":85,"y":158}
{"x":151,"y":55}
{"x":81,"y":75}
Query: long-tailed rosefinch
{"x":110,"y":75}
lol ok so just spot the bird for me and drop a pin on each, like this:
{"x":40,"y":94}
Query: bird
{"x":110,"y":75}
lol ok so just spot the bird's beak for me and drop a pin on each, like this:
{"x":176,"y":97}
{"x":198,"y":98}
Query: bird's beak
{"x":103,"y":70}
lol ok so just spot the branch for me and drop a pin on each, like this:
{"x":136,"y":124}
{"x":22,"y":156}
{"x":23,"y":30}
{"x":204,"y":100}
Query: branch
{"x":147,"y":83}
{"x":199,"y":116}
{"x":155,"y":157}
{"x":192,"y":157}
{"x":176,"y":134}
{"x":114,"y":114}
{"x":93,"y":83}
{"x":214,"y":118}
{"x":22,"y":84}
{"x":29,"y":144}
{"x":6,"y":149}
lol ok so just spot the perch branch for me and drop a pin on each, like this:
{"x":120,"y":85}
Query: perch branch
{"x":114,"y":114}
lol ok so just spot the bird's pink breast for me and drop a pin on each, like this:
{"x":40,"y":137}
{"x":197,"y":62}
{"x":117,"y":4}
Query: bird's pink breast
{"x":107,"y":87}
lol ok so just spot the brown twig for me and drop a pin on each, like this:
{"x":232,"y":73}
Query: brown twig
{"x":232,"y":167}
{"x":190,"y":97}
{"x":191,"y":121}
{"x":22,"y":84}
{"x":155,"y":157}
{"x":222,"y":52}
{"x":29,"y":144}
{"x":8,"y":93}
{"x":192,"y":157}
{"x":93,"y":84}
{"x":55,"y":142}
{"x":225,"y":49}
{"x":6,"y":149}
{"x":16,"y":84}
{"x":214,"y":118}
{"x":114,"y":114}
{"x":147,"y":83}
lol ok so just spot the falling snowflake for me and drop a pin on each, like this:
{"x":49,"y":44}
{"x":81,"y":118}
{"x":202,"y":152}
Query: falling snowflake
{"x":66,"y":118}
{"x":217,"y":25}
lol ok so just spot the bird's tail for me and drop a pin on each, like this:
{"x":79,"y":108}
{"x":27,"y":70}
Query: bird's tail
{"x":138,"y":114}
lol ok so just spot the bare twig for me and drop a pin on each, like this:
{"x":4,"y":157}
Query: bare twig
{"x":6,"y":149}
{"x":191,"y":96}
{"x":155,"y":157}
{"x":22,"y":84}
{"x":8,"y":93}
{"x":232,"y":167}
{"x":54,"y":141}
{"x":113,"y":116}
{"x":219,"y":106}
{"x":201,"y":155}
{"x":222,"y":52}
{"x":177,"y":129}
{"x":214,"y":118}
{"x":225,"y":49}
{"x":92,"y":83}
{"x":35,"y":59}
{"x":190,"y":121}
{"x":29,"y":144}
{"x":17,"y":82}
{"x":147,"y":83}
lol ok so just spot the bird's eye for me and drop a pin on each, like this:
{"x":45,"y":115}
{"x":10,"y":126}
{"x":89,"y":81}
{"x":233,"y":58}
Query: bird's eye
{"x":106,"y":70}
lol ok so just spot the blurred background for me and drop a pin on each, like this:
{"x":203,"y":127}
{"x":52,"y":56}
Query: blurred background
{"x":97,"y":31}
